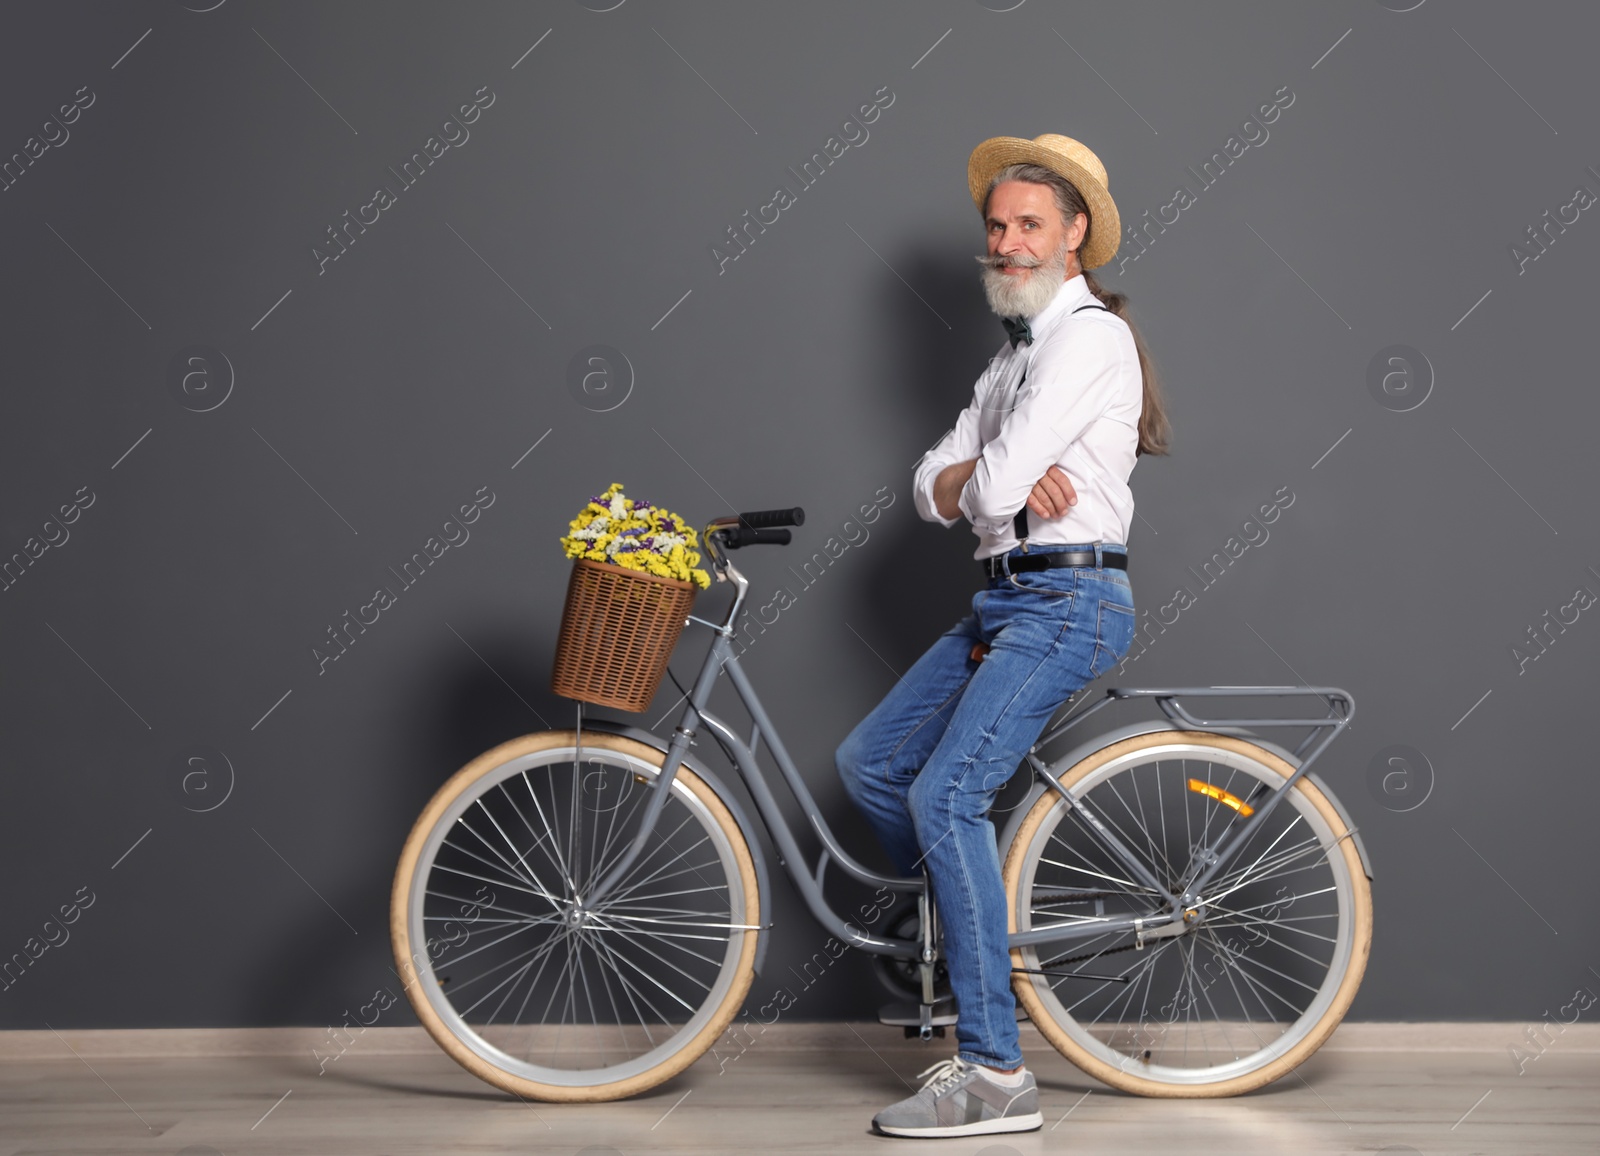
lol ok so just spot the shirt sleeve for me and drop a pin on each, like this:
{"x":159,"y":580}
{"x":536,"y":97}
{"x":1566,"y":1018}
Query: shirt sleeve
{"x":1072,"y":380}
{"x":959,"y":444}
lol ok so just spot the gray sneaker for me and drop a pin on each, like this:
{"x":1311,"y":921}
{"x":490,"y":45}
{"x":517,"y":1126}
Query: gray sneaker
{"x":959,"y":1099}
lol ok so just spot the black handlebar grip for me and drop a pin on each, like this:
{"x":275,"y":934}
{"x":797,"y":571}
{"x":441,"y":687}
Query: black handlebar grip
{"x":760,"y":519}
{"x":739,"y":536}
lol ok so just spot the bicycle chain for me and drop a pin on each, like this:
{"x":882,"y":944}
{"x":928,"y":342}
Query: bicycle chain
{"x":1093,"y":955}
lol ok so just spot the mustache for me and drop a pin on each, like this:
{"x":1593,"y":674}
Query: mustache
{"x":1016,"y":260}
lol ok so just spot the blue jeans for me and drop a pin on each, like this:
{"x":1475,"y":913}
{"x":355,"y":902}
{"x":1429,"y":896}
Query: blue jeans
{"x":925,"y":765}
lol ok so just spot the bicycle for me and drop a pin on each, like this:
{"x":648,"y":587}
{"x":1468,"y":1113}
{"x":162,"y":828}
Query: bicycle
{"x":1189,"y":905}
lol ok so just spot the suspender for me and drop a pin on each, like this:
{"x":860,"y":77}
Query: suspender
{"x":1019,"y":523}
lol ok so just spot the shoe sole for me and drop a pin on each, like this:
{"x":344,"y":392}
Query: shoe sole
{"x":977,"y":1128}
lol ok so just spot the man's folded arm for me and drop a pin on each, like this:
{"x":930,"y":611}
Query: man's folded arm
{"x":957,"y":445}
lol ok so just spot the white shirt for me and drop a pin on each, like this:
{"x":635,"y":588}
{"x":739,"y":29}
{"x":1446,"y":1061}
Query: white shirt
{"x":1078,"y":408}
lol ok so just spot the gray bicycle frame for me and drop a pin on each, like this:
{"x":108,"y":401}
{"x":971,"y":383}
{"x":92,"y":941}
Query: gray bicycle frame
{"x":721,"y":657}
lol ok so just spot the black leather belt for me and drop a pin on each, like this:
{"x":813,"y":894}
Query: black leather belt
{"x":997,"y":567}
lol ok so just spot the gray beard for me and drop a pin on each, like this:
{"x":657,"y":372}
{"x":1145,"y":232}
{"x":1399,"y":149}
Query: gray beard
{"x":1010,"y":296}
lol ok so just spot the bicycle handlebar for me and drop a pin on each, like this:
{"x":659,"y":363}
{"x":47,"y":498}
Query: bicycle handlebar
{"x":761,"y":519}
{"x":733,"y":537}
{"x":755,"y":528}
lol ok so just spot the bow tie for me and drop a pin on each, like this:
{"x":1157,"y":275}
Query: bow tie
{"x":1017,"y":329}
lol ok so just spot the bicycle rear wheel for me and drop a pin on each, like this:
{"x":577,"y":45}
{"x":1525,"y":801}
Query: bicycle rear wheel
{"x":1266,"y":970}
{"x":524,"y":984}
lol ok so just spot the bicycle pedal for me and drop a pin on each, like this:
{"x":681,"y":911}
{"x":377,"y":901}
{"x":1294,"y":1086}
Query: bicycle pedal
{"x":908,"y":1015}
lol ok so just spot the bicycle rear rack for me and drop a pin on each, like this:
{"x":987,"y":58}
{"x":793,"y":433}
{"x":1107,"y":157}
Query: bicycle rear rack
{"x":1341,"y":706}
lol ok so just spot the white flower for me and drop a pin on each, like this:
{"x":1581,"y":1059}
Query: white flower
{"x":619,"y":505}
{"x":595,"y":528}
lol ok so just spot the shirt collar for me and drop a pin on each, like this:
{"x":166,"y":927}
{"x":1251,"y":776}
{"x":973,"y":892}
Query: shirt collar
{"x":1074,"y":291}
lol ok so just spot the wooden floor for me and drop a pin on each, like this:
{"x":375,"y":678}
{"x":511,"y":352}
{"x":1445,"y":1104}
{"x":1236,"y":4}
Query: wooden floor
{"x":799,"y":1088}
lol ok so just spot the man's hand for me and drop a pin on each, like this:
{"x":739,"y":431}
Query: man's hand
{"x":948,"y":485}
{"x":1052,"y":495}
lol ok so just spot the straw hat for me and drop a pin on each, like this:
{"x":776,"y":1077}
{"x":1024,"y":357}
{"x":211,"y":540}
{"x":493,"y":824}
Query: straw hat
{"x":1068,"y":158}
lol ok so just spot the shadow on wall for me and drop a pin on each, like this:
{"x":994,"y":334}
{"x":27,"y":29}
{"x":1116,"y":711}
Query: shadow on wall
{"x":924,"y":581}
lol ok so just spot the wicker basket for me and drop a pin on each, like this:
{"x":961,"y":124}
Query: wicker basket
{"x":617,"y":631}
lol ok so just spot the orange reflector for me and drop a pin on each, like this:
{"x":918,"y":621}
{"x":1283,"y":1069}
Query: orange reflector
{"x":1221,"y":796}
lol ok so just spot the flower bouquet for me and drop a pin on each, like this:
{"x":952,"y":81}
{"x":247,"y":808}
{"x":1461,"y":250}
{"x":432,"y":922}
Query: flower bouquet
{"x":633,"y":581}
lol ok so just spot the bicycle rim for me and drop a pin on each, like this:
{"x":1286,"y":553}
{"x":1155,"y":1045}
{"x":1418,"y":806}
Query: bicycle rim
{"x":1261,"y":977}
{"x":525,"y":984}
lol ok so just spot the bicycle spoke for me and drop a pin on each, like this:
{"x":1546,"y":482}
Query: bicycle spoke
{"x":564,"y":939}
{"x":676,"y":935}
{"x":495,"y":851}
{"x":574,"y":838}
{"x":1257,"y":987}
{"x":486,"y":879}
{"x":1276,"y":874}
{"x":638,"y":943}
{"x":602,"y":969}
{"x":1116,"y":828}
{"x":539,"y":952}
{"x":636,"y":902}
{"x":551,"y":852}
{"x":455,"y":960}
{"x":625,"y":896}
{"x":629,"y":987}
{"x":644,"y":857}
{"x":1098,"y":875}
{"x":533,"y":986}
{"x":432,"y":894}
{"x":1214,"y":924}
{"x":1142,"y":825}
{"x":619,"y":890}
{"x":601,"y":849}
{"x":516,"y":879}
{"x":688,"y":1007}
{"x":511,"y":846}
{"x":669,"y":941}
{"x":1247,"y":875}
{"x":1155,"y":954}
{"x":1211,"y":940}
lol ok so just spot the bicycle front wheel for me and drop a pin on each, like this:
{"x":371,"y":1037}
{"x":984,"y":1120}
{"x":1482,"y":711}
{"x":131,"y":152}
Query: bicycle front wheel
{"x":1273,"y":951}
{"x":522,"y":981}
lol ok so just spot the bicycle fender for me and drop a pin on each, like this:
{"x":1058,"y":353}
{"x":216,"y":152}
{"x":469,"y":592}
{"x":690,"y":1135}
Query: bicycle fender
{"x":1149,"y":726}
{"x":720,"y":789}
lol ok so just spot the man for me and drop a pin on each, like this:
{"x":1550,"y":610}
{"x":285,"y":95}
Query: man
{"x":1038,"y":464}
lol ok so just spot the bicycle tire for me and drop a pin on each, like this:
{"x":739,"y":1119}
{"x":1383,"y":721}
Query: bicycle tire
{"x":1055,"y":864}
{"x":634,"y":949}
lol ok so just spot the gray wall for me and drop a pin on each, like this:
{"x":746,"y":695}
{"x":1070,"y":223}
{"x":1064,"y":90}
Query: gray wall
{"x":353,"y":405}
